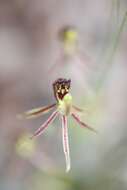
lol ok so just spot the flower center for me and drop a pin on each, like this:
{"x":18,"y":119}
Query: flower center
{"x":61,"y":87}
{"x":65,"y":105}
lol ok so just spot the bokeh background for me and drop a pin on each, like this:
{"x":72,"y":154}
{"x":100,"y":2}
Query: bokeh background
{"x":29,"y":46}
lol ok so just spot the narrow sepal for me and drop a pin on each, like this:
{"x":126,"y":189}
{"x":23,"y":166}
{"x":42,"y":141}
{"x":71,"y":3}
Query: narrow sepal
{"x":59,"y":62}
{"x":86,"y":60}
{"x":65,"y":142}
{"x":77,"y":108}
{"x":45,"y":125}
{"x":82,"y":124}
{"x":36,"y":112}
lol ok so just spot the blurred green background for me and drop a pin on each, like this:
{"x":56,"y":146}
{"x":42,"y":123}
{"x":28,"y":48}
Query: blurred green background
{"x":29,"y":46}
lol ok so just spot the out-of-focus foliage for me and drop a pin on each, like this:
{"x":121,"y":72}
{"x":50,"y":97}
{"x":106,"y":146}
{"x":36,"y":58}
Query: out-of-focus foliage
{"x":25,"y":147}
{"x":29,"y":46}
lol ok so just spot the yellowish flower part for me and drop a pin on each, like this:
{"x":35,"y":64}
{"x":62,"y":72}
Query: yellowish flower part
{"x":69,"y":41}
{"x":70,"y":36}
{"x":65,"y":105}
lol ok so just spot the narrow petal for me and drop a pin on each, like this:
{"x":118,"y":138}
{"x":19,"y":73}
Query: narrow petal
{"x":77,"y":108}
{"x":46,"y":124}
{"x":86,"y":60}
{"x":82,"y":124}
{"x":36,"y":112}
{"x":65,"y":142}
{"x":59,"y":62}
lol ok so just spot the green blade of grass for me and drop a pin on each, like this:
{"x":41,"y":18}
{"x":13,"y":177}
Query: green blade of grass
{"x":111,"y":53}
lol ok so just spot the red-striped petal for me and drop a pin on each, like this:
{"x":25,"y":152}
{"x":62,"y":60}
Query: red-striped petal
{"x":82,"y":124}
{"x":65,"y":142}
{"x":46,"y":124}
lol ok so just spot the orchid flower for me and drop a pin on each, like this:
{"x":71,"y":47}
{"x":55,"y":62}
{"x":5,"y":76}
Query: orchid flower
{"x":63,"y":108}
{"x":69,"y":38}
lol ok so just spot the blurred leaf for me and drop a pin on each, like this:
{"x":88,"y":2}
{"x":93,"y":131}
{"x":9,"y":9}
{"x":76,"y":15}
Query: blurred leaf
{"x":110,"y":53}
{"x":25,"y":147}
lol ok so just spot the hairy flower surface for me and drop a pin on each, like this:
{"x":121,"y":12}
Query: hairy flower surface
{"x":63,"y":108}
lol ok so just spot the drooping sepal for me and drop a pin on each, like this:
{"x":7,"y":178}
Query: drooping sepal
{"x":36,"y":112}
{"x":82,"y":124}
{"x":65,"y":142}
{"x":45,"y":125}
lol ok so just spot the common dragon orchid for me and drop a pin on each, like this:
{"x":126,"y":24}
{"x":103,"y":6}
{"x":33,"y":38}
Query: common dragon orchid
{"x":63,"y":108}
